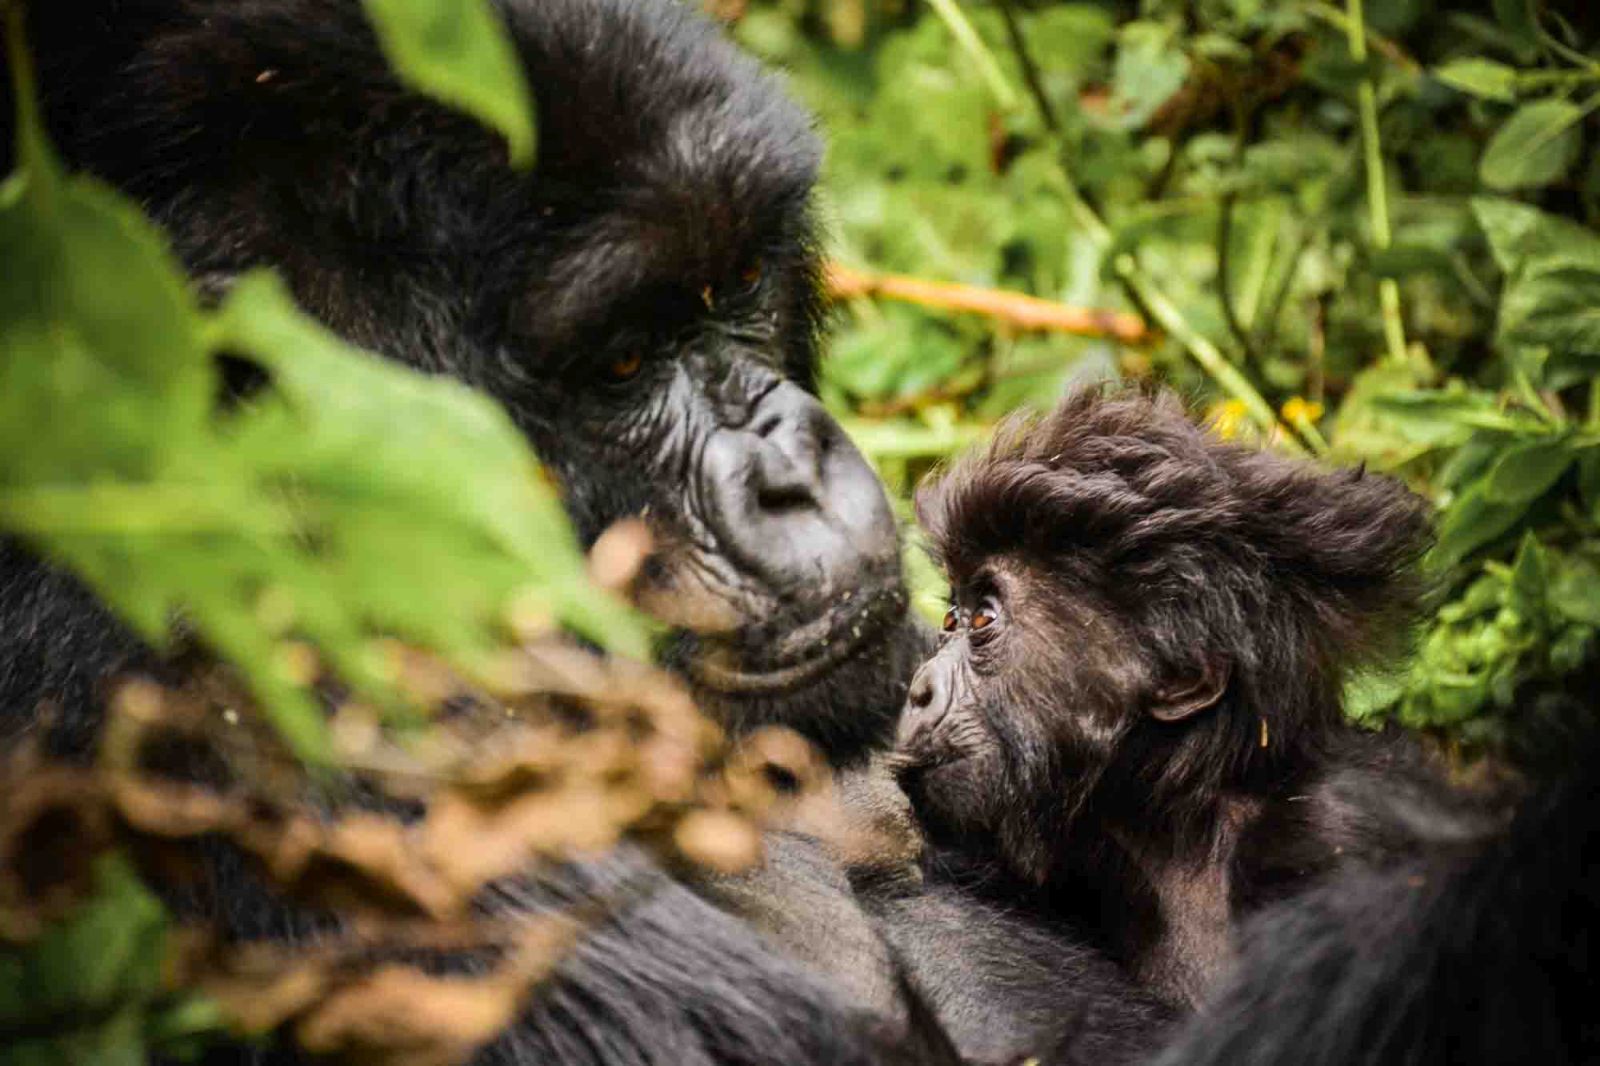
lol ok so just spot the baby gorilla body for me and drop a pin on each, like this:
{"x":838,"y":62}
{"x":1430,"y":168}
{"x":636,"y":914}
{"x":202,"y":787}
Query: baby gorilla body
{"x":1134,"y":718}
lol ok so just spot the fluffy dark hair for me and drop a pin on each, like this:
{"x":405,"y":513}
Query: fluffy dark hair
{"x":1281,"y":572}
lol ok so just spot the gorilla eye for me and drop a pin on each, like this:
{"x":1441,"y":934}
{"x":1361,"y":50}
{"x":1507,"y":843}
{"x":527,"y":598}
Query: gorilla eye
{"x":751,"y":276}
{"x":985,"y":615}
{"x":625,"y":368}
{"x":951,"y":619}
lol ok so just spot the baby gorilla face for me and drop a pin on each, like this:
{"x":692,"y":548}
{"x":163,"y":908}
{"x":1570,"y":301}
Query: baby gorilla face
{"x":1010,"y":723}
{"x":948,"y":748}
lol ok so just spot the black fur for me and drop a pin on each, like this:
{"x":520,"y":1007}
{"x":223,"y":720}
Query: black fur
{"x":668,"y":217}
{"x":1009,"y":986}
{"x":1137,"y":709}
{"x":1475,"y":955}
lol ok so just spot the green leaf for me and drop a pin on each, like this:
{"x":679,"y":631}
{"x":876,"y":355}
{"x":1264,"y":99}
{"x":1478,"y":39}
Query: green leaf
{"x":1575,"y":589}
{"x":1517,"y":22}
{"x":1520,"y":235}
{"x":1556,"y":308}
{"x":1527,"y":471}
{"x":1530,"y":576}
{"x":1444,"y":417}
{"x":1471,"y":522}
{"x":1368,"y":694}
{"x":457,"y":52}
{"x":1149,"y":69}
{"x":1479,"y":77}
{"x":324,"y":492}
{"x":1535,"y":147}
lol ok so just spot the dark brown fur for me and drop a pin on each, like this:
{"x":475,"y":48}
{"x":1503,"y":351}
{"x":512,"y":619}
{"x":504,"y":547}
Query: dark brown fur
{"x":1150,"y":731}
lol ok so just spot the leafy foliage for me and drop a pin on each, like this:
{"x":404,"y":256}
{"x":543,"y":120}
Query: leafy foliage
{"x":243,"y":476}
{"x":296,"y":513}
{"x":455,"y":51}
{"x":1385,"y":229}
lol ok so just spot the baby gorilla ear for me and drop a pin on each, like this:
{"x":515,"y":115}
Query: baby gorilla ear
{"x":1190,"y":695}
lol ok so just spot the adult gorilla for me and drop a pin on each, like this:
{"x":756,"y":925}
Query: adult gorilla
{"x":645,"y":302}
{"x":645,"y":305}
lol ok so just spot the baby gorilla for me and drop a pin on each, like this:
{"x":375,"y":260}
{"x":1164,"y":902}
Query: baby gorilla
{"x":1134,"y":718}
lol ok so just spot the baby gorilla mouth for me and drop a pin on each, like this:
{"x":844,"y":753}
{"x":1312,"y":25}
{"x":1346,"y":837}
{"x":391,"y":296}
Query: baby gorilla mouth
{"x":799,"y":655}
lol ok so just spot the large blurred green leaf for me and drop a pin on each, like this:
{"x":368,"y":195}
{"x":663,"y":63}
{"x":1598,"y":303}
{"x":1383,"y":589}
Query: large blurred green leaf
{"x":358,"y":498}
{"x":1473,"y":521}
{"x":1519,"y":234}
{"x":1528,"y":470}
{"x":457,"y":51}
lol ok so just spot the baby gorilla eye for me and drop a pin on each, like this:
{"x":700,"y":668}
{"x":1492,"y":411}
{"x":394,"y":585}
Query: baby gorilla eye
{"x":987,"y":614}
{"x":951,"y":619}
{"x":624,"y":368}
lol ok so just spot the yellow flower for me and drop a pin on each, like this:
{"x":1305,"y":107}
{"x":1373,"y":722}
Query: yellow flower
{"x":1227,"y":418}
{"x":1297,"y":411}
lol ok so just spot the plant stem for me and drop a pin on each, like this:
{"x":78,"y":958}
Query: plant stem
{"x":1394,"y":331}
{"x":967,"y":37}
{"x":1230,"y":311}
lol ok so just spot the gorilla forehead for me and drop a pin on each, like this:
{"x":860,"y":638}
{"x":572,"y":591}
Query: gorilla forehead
{"x":275,"y":131}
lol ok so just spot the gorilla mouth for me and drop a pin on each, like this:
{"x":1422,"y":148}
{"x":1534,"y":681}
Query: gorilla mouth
{"x":803,"y":654}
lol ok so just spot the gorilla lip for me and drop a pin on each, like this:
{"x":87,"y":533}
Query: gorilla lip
{"x":840,"y":633}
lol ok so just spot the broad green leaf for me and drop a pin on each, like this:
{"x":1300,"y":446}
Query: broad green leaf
{"x":372,"y":500}
{"x":1575,"y":589}
{"x":1530,"y":575}
{"x":1553,"y":307}
{"x":1527,"y":471}
{"x":1520,"y":235}
{"x":1517,"y":23}
{"x":457,"y":51}
{"x":1480,"y":77}
{"x":1443,"y":418}
{"x":1150,"y":68}
{"x":1068,"y":37}
{"x":1536,"y":146}
{"x":1471,"y":522}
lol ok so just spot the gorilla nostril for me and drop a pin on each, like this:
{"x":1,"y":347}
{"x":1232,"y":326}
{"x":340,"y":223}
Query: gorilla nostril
{"x":779,"y":498}
{"x":921,"y":693}
{"x":765,"y":425}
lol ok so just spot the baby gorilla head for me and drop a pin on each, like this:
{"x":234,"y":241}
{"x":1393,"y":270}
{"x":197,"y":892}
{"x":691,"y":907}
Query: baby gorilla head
{"x":1144,"y":618}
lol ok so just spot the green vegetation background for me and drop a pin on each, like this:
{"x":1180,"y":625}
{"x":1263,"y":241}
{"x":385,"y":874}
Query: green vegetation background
{"x":1369,"y":236}
{"x":1377,"y":226}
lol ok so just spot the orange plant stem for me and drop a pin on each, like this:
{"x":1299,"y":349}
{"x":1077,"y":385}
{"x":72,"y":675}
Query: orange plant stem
{"x":1016,"y":309}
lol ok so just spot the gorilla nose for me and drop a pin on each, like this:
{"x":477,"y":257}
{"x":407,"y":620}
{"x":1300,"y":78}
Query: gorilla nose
{"x":798,"y":504}
{"x":789,"y":461}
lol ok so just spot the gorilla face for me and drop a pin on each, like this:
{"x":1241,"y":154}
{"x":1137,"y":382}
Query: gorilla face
{"x":644,"y":301}
{"x":1008,"y":725}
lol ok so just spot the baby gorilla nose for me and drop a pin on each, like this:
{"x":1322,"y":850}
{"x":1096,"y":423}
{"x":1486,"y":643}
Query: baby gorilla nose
{"x":926,"y":704}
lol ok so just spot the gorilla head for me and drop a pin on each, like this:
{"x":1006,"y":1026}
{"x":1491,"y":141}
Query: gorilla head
{"x":644,"y":302}
{"x":1148,"y":623}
